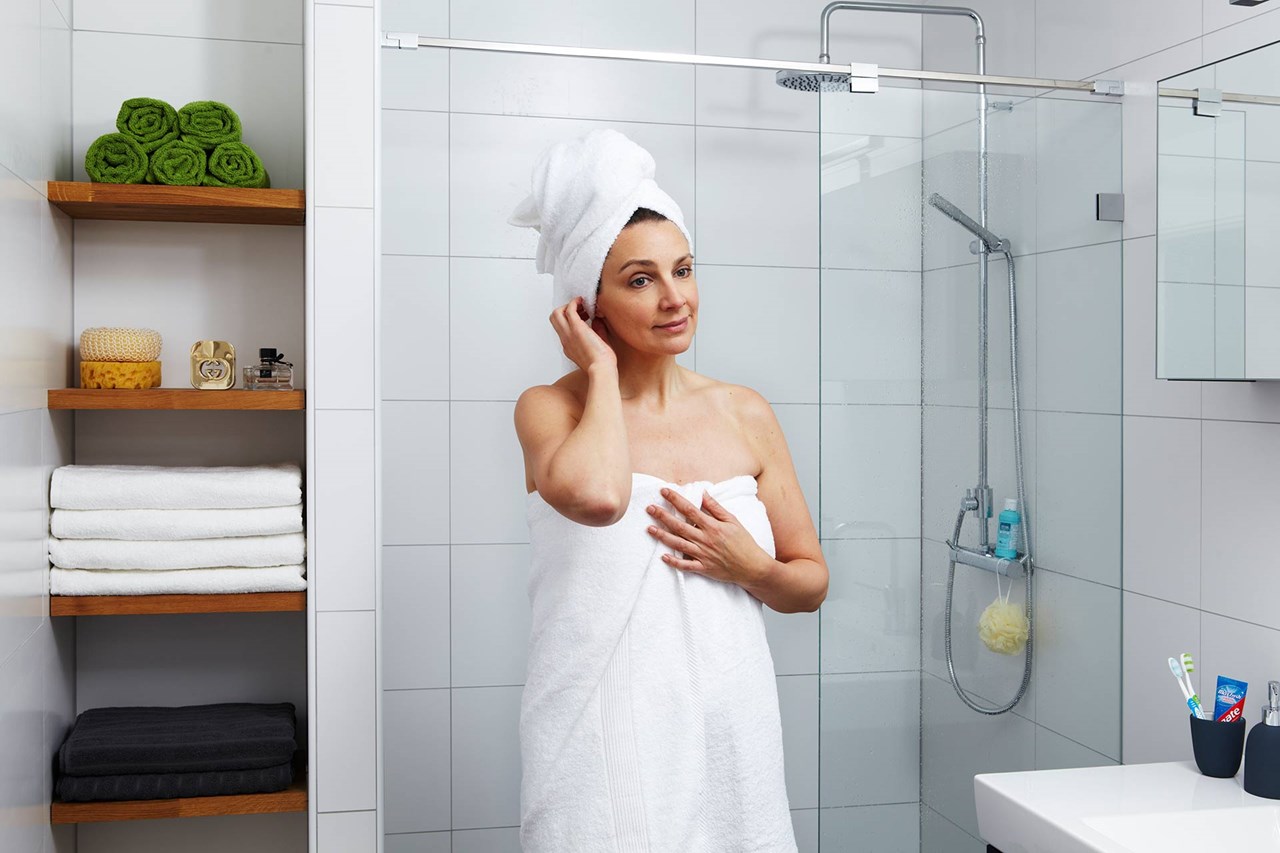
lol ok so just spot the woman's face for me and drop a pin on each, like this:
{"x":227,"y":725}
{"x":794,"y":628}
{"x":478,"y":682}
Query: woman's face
{"x":647,"y":284}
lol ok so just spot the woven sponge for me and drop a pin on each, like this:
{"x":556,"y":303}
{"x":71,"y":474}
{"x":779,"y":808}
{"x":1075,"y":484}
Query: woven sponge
{"x":119,"y":374}
{"x":115,"y":344}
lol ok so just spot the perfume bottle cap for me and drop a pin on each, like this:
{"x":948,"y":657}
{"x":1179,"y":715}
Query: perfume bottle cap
{"x":267,"y":353}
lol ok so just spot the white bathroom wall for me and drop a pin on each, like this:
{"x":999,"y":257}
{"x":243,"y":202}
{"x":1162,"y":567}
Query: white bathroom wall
{"x":343,"y":272}
{"x":464,"y":331}
{"x":190,"y":281}
{"x":37,"y":655}
{"x":1200,"y":457}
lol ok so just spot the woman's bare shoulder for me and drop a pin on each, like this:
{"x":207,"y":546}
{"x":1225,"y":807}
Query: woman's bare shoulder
{"x":568,"y":393}
{"x":746,"y":404}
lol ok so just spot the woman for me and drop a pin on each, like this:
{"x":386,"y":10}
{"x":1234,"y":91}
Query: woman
{"x":649,"y":719}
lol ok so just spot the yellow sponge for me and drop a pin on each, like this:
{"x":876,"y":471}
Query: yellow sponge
{"x":119,"y":374}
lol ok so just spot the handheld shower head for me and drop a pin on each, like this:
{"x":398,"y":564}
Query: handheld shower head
{"x":988,"y":239}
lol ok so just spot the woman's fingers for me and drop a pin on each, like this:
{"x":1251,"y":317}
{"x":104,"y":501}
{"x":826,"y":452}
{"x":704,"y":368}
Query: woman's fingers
{"x":687,"y":565}
{"x":675,"y":523}
{"x":666,"y":537}
{"x":691,"y":513}
{"x":715,"y":509}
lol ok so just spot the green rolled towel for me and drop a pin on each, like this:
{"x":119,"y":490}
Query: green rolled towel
{"x":178,"y":163}
{"x":233,"y":164}
{"x":150,"y":122}
{"x":116,"y":158}
{"x":208,"y":124}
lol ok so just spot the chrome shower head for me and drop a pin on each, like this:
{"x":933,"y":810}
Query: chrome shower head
{"x":813,"y":81}
{"x":986,"y":237}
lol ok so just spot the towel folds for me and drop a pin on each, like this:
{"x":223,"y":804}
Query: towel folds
{"x":164,"y":786}
{"x":148,"y":752}
{"x":649,"y":718}
{"x":284,"y":549}
{"x":209,"y":124}
{"x":149,"y":121}
{"x":164,"y":487}
{"x":177,"y":163}
{"x":184,"y":739}
{"x":583,"y":192}
{"x":234,"y":164}
{"x":116,"y":158}
{"x":224,"y":580}
{"x":174,"y":524}
{"x":160,"y":530}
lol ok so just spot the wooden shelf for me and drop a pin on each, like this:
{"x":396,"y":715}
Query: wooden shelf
{"x":159,"y":203}
{"x":175,"y":398}
{"x":133,"y":605}
{"x":292,"y":799}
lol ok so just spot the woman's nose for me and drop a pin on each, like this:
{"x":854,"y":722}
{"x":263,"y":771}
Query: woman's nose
{"x":671,"y":292}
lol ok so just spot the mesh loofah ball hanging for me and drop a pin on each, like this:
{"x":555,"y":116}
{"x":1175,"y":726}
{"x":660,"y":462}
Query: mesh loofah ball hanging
{"x":1003,"y":627}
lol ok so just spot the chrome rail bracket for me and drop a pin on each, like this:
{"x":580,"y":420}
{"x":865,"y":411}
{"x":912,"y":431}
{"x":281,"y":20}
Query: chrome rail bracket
{"x":988,"y":561}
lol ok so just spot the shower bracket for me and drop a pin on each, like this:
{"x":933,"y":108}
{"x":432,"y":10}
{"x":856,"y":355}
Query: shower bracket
{"x":978,"y":247}
{"x":1109,"y":88}
{"x":400,"y":41}
{"x":987,"y":560}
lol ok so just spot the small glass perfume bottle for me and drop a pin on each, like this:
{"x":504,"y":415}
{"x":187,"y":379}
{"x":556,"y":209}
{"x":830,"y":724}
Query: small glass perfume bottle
{"x":273,"y":373}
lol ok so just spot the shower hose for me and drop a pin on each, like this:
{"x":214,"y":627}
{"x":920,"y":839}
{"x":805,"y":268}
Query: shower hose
{"x":1026,"y":529}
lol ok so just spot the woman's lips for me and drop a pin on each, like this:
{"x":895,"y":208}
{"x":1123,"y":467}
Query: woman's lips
{"x":677,"y":327}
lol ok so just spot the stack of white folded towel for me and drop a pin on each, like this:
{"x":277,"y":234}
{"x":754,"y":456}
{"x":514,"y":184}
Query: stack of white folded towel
{"x":150,"y":529}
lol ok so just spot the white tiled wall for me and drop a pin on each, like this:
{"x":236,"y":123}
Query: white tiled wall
{"x":345,"y":406}
{"x":37,"y":654}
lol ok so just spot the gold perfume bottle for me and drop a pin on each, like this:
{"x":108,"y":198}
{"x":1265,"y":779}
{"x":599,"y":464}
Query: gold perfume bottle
{"x":213,"y":365}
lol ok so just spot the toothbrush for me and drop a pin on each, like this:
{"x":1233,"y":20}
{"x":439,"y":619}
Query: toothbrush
{"x":1193,"y":701}
{"x":1188,"y":667}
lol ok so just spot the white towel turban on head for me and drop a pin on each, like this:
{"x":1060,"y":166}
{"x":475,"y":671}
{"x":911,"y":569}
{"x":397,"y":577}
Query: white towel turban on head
{"x":584,"y":191}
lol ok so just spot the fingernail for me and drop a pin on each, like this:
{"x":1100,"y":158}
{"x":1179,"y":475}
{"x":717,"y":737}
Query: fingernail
{"x":653,"y":529}
{"x":651,"y":509}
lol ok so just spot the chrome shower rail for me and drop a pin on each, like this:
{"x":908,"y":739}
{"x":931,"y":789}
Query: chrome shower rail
{"x":1236,"y":97}
{"x":862,"y":74}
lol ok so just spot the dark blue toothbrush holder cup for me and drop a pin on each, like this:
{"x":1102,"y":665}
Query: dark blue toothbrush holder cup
{"x":1218,"y":747}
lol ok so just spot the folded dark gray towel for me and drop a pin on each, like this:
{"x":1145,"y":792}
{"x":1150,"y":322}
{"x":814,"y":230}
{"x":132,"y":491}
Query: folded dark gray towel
{"x":162,"y":786}
{"x":188,"y":739}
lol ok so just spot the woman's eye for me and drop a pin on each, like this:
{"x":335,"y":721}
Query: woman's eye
{"x":687,"y":270}
{"x":639,"y":279}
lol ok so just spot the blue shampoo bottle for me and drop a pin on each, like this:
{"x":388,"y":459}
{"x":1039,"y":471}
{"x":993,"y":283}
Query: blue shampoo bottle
{"x":1009,"y":531}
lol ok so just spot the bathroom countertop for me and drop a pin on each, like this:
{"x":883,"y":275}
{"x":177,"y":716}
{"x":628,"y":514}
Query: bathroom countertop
{"x":1122,"y":809}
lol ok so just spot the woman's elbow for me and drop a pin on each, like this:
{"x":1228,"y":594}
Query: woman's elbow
{"x":821,"y":595}
{"x":602,"y":513}
{"x":600,"y":509}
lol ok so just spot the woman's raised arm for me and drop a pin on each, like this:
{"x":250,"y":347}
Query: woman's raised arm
{"x":577,"y":453}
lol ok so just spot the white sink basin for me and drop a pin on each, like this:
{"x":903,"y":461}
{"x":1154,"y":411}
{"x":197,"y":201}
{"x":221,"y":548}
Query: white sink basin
{"x":1135,"y":808}
{"x":1202,"y":829}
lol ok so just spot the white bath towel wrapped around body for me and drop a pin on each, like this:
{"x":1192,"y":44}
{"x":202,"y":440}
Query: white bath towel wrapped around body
{"x":649,"y":718}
